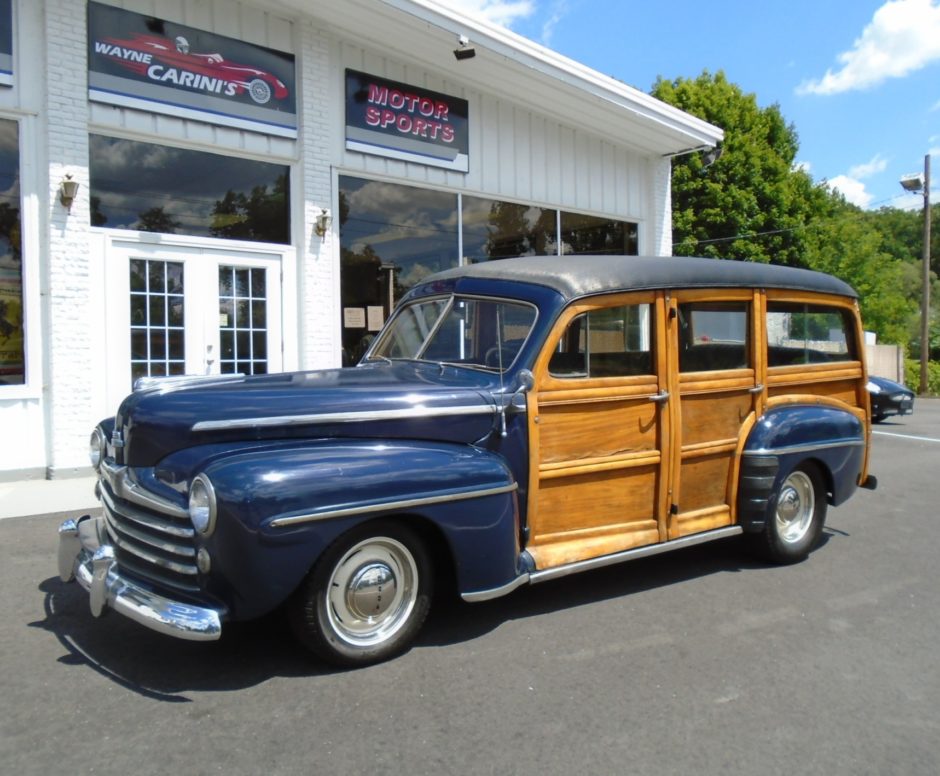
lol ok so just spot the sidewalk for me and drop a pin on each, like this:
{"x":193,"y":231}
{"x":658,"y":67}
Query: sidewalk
{"x":24,"y":498}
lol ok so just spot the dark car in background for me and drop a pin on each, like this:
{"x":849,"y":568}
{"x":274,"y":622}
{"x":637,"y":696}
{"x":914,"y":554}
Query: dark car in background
{"x":888,"y":398}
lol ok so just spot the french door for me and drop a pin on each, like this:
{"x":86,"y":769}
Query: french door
{"x":190,"y":311}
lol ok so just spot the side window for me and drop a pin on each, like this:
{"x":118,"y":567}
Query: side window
{"x":613,"y":342}
{"x":809,"y":334}
{"x":713,"y":335}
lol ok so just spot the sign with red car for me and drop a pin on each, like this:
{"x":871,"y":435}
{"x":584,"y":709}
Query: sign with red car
{"x":142,"y":62}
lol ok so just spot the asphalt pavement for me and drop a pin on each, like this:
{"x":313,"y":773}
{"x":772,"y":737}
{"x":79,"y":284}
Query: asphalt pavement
{"x":703,"y":661}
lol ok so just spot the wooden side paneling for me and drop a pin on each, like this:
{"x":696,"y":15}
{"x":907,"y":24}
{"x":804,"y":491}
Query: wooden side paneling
{"x":570,"y":432}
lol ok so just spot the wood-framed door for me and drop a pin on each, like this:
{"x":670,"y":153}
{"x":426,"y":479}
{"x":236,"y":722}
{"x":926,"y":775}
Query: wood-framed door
{"x":715,"y":363}
{"x":599,"y":425}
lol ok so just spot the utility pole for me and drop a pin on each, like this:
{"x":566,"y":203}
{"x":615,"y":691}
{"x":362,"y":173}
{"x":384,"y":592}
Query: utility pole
{"x":925,"y":301}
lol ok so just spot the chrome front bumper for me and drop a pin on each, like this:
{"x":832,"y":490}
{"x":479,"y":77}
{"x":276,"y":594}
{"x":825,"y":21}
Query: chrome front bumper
{"x":86,"y":556}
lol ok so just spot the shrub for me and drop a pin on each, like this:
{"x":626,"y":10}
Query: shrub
{"x":912,"y":376}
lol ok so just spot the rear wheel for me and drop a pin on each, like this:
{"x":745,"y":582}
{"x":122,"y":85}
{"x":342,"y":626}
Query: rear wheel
{"x":367,"y":597}
{"x":798,"y":518}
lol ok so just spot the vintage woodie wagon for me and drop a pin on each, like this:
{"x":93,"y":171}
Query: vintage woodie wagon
{"x":513,"y":422}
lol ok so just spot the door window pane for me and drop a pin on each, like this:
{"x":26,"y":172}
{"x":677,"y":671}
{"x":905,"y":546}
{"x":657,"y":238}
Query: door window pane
{"x":498,"y":230}
{"x":156,"y":337}
{"x":156,"y":188}
{"x":12,"y":347}
{"x":391,"y":237}
{"x":713,"y":335}
{"x":808,"y":334}
{"x":243,"y":336}
{"x":613,"y":342}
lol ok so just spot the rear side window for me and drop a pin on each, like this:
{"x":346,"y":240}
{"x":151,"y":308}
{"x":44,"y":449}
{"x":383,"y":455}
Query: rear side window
{"x":809,"y":334}
{"x":614,"y":342}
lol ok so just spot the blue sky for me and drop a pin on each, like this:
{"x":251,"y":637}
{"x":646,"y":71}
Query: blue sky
{"x":859,"y":79}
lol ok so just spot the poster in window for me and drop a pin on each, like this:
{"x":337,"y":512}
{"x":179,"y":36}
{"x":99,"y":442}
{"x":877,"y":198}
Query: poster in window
{"x":409,"y":123}
{"x":6,"y":42}
{"x":147,"y":63}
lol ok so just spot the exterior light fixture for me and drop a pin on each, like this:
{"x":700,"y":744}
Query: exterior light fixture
{"x":464,"y":50}
{"x":323,"y":222}
{"x":68,"y":190}
{"x":916,"y":184}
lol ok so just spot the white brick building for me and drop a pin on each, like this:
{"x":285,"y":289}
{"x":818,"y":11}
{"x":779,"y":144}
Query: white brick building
{"x":192,"y":243}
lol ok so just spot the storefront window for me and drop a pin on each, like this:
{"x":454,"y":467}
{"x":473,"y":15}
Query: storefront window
{"x":493,"y":229}
{"x":391,"y":237}
{"x":12,"y":353}
{"x":591,"y":235}
{"x":156,"y":188}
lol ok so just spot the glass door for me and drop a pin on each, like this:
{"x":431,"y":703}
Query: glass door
{"x":184,"y":311}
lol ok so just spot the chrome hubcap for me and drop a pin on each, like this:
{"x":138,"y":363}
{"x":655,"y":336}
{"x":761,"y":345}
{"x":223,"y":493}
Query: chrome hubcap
{"x":796,"y":506}
{"x":372,"y":591}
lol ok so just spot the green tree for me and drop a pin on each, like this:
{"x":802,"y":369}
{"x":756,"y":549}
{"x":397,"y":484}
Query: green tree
{"x":750,"y":204}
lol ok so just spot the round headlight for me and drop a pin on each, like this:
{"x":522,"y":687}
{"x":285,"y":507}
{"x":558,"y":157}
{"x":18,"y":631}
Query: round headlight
{"x":97,"y":447}
{"x":202,"y":504}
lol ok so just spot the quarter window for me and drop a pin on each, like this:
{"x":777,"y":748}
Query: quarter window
{"x":809,"y":334}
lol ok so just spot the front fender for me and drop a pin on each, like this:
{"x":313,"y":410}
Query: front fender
{"x":786,"y":436}
{"x":279,"y":508}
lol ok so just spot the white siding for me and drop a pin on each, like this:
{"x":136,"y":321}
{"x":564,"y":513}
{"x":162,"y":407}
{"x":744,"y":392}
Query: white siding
{"x":515,"y":153}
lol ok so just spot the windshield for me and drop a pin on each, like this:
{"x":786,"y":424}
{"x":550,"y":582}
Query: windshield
{"x":465,"y":331}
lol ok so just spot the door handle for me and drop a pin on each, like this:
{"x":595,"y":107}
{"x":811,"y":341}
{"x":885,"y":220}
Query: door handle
{"x":660,"y":397}
{"x":759,"y":388}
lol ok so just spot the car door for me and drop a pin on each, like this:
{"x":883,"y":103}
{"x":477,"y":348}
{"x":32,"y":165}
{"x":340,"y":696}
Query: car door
{"x":599,"y":424}
{"x":715,"y":363}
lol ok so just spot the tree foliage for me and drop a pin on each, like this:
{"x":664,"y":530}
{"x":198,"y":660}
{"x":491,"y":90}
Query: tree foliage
{"x":754,"y":203}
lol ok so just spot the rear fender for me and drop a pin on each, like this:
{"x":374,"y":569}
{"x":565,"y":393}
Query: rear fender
{"x":785,"y":437}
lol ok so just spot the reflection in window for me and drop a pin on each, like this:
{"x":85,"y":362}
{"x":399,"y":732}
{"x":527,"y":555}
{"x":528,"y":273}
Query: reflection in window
{"x":463,"y":331}
{"x":155,"y":188}
{"x":157,"y":326}
{"x":12,"y":360}
{"x":391,"y":237}
{"x":493,"y":229}
{"x":592,"y":235}
{"x":808,"y":334}
{"x":713,"y":335}
{"x":243,"y":335}
{"x":613,"y":342}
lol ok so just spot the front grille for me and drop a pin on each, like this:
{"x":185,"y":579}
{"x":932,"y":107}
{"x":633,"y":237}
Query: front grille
{"x":157,"y":548}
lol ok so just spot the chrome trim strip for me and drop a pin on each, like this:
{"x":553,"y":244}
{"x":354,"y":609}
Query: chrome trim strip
{"x":809,"y":448}
{"x":495,"y":592}
{"x":345,"y":417}
{"x":114,"y":523}
{"x":117,"y":477}
{"x":280,"y":522}
{"x":638,"y":552}
{"x":145,"y":520}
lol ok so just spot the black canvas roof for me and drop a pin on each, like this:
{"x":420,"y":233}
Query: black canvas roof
{"x":577,"y":276}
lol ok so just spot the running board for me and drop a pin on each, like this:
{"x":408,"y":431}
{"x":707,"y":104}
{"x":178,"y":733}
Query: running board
{"x":535,"y":577}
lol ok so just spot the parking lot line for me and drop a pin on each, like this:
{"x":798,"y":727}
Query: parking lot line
{"x":907,"y":436}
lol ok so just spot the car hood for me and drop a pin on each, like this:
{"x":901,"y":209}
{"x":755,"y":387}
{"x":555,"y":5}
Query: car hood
{"x":379,"y":400}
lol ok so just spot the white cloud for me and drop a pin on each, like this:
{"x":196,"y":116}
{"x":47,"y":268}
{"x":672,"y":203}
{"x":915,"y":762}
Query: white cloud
{"x":557,"y":12}
{"x":903,"y":36}
{"x":803,"y":167}
{"x":502,"y":12}
{"x":862,"y":171}
{"x":853,"y":190}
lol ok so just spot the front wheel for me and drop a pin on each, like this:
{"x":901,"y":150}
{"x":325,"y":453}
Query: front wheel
{"x":798,"y":517}
{"x":366,"y":598}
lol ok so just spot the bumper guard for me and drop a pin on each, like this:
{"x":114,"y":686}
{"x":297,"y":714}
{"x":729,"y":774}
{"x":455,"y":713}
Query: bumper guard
{"x":85,"y":556}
